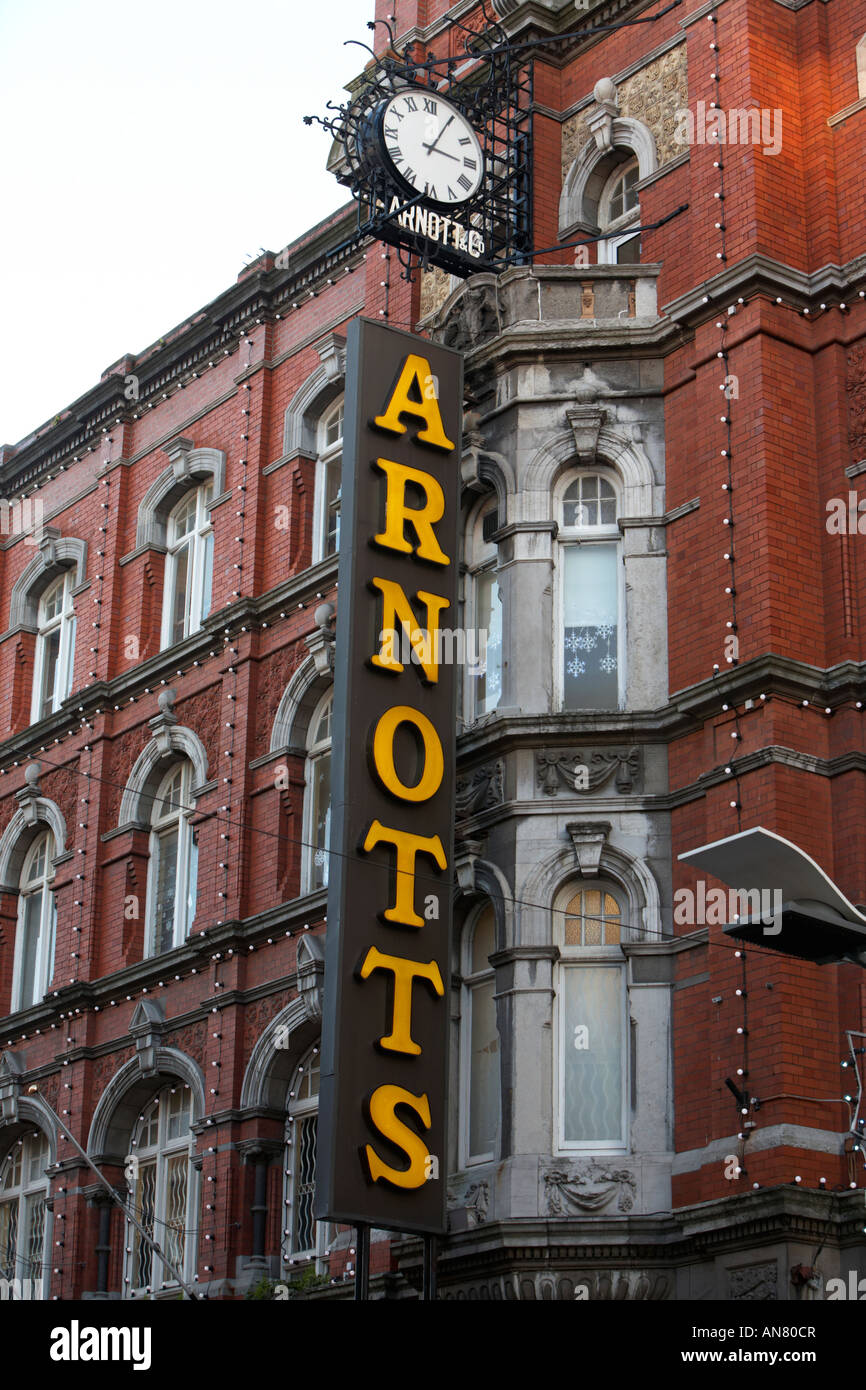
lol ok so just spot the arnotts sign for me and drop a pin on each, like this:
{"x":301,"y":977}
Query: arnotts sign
{"x":383,"y":1100}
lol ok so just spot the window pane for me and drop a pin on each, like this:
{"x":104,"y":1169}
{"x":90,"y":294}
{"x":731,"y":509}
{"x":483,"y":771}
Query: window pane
{"x":51,"y":652}
{"x":68,"y":658}
{"x":321,"y":821}
{"x":628,"y":252}
{"x":176,"y":1171}
{"x":303,"y":1196}
{"x":192,"y":884}
{"x":34,"y":1236}
{"x":333,"y":498}
{"x":483,"y":941}
{"x":144,"y":1198}
{"x":483,"y":1071}
{"x":207,"y":575}
{"x":181,"y":582}
{"x":166,"y":889}
{"x":592,"y":1046}
{"x":488,"y":619}
{"x":590,"y":601}
{"x":31,"y":988}
{"x":8,"y":1238}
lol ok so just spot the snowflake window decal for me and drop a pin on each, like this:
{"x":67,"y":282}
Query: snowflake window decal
{"x":576,"y":668}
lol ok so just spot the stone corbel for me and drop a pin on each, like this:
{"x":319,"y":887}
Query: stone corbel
{"x":311,"y":975}
{"x":178,"y":451}
{"x":601,"y":117}
{"x":147,"y":1026}
{"x":321,"y":642}
{"x":48,"y":545}
{"x":332,"y":355}
{"x":28,"y":796}
{"x":588,"y":838}
{"x":11,"y":1068}
{"x":466,"y":854}
{"x":473,"y":443}
{"x":586,"y":422}
{"x":163,"y":723}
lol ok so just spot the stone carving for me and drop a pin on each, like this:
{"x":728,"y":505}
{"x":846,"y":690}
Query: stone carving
{"x":754,"y":1283}
{"x":258,"y":1014}
{"x":856,"y":389}
{"x":626,"y":1285}
{"x":435,"y":289}
{"x":473,"y":318}
{"x":201,"y":713}
{"x":273,"y":676}
{"x":63,"y":787}
{"x":479,"y":789}
{"x":585,"y":1187}
{"x":121,"y":760}
{"x":474,"y":1201}
{"x":652,"y":96}
{"x":582,"y":772}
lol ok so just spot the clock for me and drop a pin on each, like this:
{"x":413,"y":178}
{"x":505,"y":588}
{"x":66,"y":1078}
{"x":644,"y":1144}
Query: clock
{"x":428,"y":146}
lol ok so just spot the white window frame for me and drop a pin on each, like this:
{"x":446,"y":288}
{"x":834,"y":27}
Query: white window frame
{"x":589,"y":957}
{"x":471,"y":980}
{"x":297,"y":1111}
{"x":482,"y":559}
{"x":622,"y":226}
{"x":199,"y":542}
{"x":34,"y":1279}
{"x":327,"y":456}
{"x":29,"y":888}
{"x":587,"y":535}
{"x":316,"y":749}
{"x":162,"y":1152}
{"x":163,"y":822}
{"x":64,"y":621}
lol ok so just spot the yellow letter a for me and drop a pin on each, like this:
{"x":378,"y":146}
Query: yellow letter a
{"x":416,"y":372}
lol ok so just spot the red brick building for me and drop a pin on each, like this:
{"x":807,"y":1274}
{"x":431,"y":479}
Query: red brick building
{"x":659,"y":420}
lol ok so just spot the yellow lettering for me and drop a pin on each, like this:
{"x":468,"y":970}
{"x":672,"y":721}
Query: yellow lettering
{"x":405,"y":972}
{"x":397,"y":608}
{"x":408,"y":846}
{"x":433,"y":768}
{"x":382,"y":1104}
{"x":416,"y":372}
{"x":423,"y":518}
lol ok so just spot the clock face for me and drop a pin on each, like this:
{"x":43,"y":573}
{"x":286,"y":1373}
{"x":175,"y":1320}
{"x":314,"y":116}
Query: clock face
{"x":431,"y":147}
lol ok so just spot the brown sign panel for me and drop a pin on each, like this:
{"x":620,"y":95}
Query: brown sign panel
{"x":383,"y":1097}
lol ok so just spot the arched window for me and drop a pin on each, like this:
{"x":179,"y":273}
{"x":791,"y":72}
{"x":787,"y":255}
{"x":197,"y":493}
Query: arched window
{"x":317,"y":820}
{"x":23,"y":1196}
{"x":173,"y":878}
{"x":619,"y":213}
{"x":593,"y":1018}
{"x":483,"y":616}
{"x":163,"y":1193}
{"x":37,"y":920}
{"x":329,"y":469}
{"x":591,"y":639}
{"x":188,"y":565}
{"x":480,"y":1043}
{"x":55,"y":647}
{"x":304,"y":1238}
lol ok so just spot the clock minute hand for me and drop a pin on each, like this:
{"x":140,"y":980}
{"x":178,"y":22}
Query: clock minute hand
{"x":429,"y":148}
{"x":446,"y":154}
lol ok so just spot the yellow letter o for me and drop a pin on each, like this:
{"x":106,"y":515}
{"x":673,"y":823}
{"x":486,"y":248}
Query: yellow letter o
{"x":383,"y":754}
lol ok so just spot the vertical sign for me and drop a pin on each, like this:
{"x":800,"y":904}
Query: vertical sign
{"x":383,"y":1096}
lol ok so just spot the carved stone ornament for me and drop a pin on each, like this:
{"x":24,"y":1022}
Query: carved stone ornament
{"x":147,"y":1026}
{"x":576,"y":1188}
{"x":754,"y":1283}
{"x":479,"y":789}
{"x":588,"y":838}
{"x":11,"y":1068}
{"x":601,"y":116}
{"x":28,"y":796}
{"x":469,"y":1208}
{"x":472,"y":319}
{"x":586,"y":772}
{"x":321,"y":642}
{"x":162,"y":724}
{"x":311,"y":975}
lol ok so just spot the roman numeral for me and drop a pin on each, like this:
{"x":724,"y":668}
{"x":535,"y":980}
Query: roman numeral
{"x":398,"y":115}
{"x":396,"y":153}
{"x":409,"y":174}
{"x":430,"y":106}
{"x":451,"y":194}
{"x":464,"y":182}
{"x":464,"y":140}
{"x":391,"y":132}
{"x":469,"y":163}
{"x":430,"y":190}
{"x":411,"y":104}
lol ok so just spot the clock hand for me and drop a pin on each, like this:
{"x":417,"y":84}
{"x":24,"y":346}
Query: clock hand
{"x":446,"y":154}
{"x":439,"y":136}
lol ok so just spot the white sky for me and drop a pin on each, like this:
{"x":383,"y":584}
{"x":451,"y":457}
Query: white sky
{"x":145,"y":150}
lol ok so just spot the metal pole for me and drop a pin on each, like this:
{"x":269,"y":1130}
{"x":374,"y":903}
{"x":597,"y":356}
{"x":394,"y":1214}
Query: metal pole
{"x":115,"y":1197}
{"x":429,"y":1289}
{"x":362,"y":1264}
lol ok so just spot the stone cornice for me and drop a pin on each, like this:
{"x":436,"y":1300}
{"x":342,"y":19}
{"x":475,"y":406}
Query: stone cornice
{"x":760,"y":274}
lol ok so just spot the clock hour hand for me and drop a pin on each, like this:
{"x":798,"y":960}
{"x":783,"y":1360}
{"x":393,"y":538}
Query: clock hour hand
{"x":445,"y":152}
{"x":428,"y":148}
